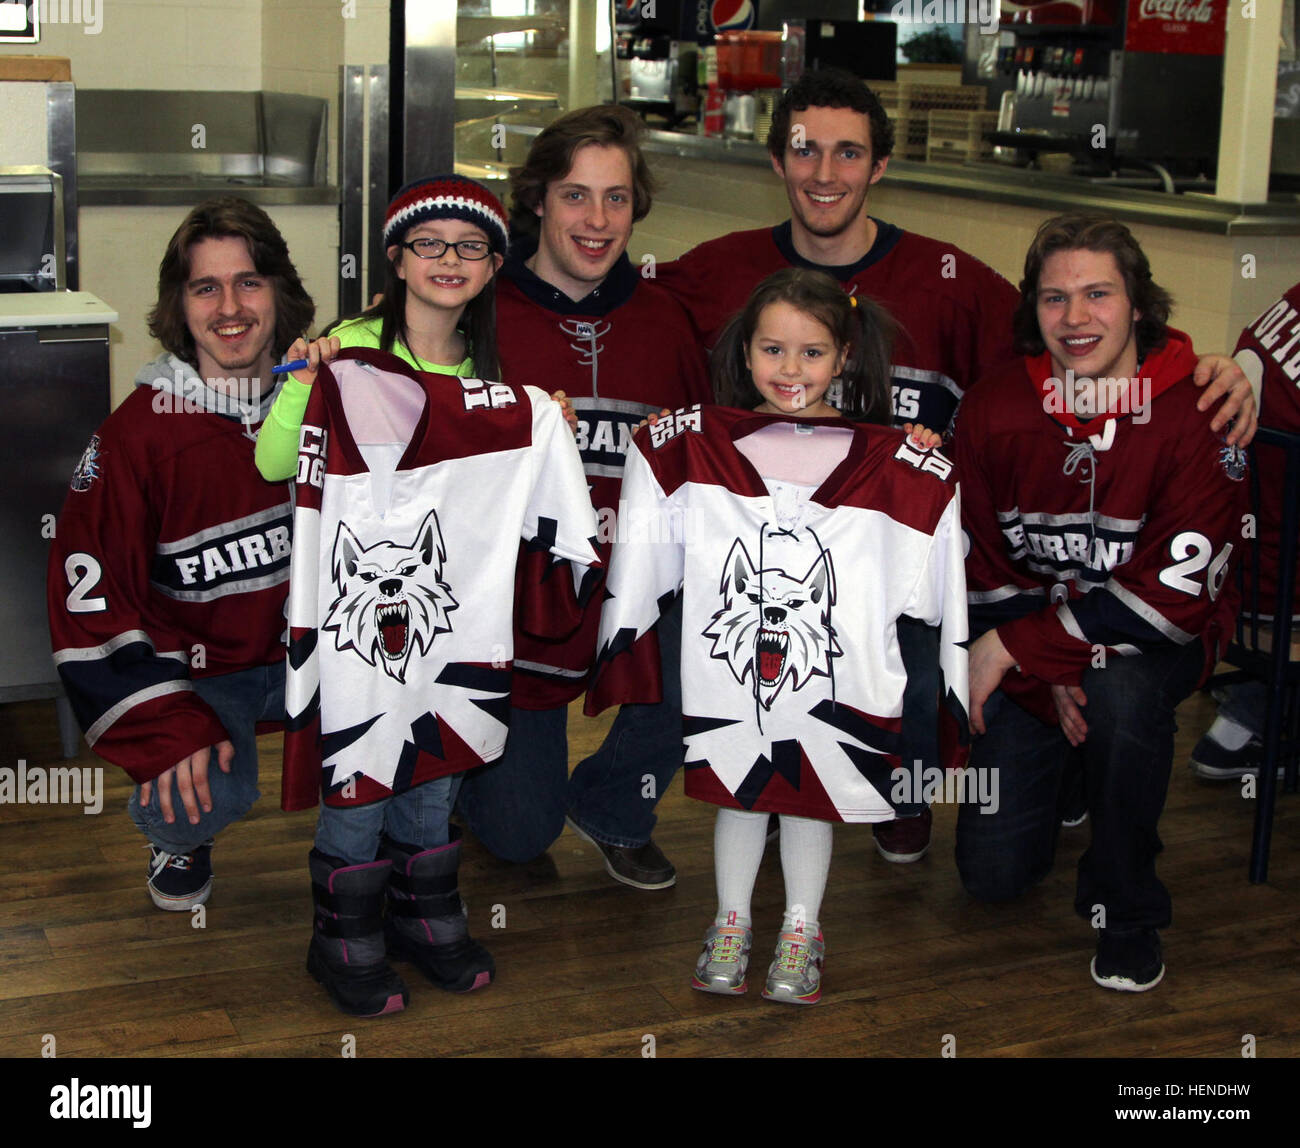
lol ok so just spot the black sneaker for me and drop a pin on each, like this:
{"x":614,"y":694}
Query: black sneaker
{"x":1128,"y":961}
{"x":1213,"y":762}
{"x":179,"y":882}
{"x":641,"y":866}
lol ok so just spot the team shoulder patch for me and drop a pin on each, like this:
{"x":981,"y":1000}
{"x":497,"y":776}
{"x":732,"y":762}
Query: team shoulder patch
{"x":930,"y":461}
{"x":674,"y":424}
{"x":87,"y":469}
{"x":1233,"y":461}
{"x":481,"y":395}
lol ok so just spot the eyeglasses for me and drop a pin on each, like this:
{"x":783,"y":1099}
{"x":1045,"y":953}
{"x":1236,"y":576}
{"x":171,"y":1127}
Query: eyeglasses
{"x":471,"y":249}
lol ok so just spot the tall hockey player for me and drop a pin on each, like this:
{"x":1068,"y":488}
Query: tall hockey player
{"x":1266,"y":351}
{"x":169,"y":571}
{"x":830,"y":143}
{"x":799,"y":538}
{"x":575,"y":314}
{"x":1103,"y":513}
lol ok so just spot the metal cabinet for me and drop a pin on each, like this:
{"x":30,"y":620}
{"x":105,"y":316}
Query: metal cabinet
{"x":54,"y":392}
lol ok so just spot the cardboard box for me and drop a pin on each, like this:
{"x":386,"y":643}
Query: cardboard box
{"x":34,"y":69}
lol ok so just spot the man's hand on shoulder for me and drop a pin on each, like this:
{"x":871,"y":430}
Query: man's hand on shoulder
{"x":191,"y":776}
{"x":1222,"y":378}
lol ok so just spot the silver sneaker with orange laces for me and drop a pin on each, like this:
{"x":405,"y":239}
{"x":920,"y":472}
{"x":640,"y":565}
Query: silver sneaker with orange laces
{"x":795,"y":976}
{"x":724,"y":960}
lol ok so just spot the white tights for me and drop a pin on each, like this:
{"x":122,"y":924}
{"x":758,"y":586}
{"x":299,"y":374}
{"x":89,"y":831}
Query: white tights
{"x":738,"y":840}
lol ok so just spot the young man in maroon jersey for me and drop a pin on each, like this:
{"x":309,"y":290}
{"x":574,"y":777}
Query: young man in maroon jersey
{"x":573,"y":314}
{"x":170,"y":566}
{"x":1102,"y":512}
{"x":830,"y":143}
{"x":1269,"y":352}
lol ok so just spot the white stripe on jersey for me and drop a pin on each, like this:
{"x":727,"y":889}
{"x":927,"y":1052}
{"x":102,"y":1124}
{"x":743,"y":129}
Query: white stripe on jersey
{"x":1149,"y":614}
{"x":98,"y":653}
{"x":226,"y":529}
{"x":109,"y":716}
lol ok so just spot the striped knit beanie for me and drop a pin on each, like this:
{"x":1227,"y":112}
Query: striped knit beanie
{"x":446,"y":197}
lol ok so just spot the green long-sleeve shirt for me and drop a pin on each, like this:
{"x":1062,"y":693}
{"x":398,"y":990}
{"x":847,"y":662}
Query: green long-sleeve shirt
{"x":277,"y":442}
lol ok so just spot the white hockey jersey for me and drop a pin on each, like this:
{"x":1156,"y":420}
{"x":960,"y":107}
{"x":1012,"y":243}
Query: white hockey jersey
{"x":792,"y":677}
{"x":413,"y":491}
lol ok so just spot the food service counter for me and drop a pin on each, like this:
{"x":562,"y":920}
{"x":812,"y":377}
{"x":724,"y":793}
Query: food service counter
{"x":1223,"y":262}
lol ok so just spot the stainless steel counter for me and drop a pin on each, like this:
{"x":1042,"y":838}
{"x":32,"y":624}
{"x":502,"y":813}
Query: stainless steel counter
{"x":175,"y":149}
{"x":119,"y":191}
{"x":996,"y":183}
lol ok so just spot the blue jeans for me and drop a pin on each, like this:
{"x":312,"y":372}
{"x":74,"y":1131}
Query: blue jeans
{"x":517,"y":804}
{"x":1245,"y":703}
{"x":240,"y":700}
{"x":417,"y":818}
{"x":918,"y":645}
{"x":1126,"y":760}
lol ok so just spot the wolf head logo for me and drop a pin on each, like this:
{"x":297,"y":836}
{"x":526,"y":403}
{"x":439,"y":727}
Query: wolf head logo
{"x":391,"y":598}
{"x":774,"y":627}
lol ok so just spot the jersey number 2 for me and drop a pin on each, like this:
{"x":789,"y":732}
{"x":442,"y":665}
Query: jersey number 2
{"x":1192,"y":553}
{"x":83,"y":574}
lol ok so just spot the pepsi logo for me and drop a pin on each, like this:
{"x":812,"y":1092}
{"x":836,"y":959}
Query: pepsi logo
{"x":732,"y":15}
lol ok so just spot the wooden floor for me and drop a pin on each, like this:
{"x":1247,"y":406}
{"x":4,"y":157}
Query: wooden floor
{"x":587,"y":967}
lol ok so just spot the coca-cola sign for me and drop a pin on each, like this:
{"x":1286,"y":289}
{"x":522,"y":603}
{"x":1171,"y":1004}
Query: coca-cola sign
{"x":1185,"y":27}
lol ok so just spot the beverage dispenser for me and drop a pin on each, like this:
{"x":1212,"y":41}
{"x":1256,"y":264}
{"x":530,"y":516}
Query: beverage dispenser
{"x":1114,"y":81}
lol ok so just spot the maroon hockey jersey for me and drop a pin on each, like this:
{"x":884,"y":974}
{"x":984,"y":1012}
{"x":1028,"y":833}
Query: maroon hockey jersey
{"x":1113,"y":534}
{"x":171,"y":561}
{"x":954,"y":313}
{"x":1269,"y":352}
{"x":624,"y":351}
{"x":793,"y":680}
{"x":414,"y":491}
